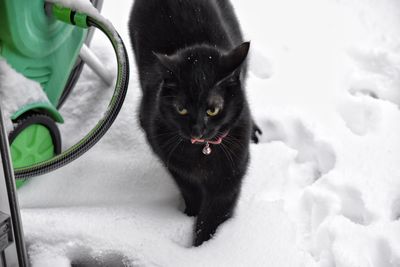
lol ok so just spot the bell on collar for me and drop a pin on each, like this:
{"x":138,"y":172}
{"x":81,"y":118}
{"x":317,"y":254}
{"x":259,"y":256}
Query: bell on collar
{"x":207,"y":149}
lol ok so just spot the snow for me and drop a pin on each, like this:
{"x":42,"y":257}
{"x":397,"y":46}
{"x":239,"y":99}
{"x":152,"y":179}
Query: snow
{"x":322,"y":187}
{"x":13,"y":85}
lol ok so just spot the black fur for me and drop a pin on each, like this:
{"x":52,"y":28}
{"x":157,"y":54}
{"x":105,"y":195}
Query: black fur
{"x":190,"y":55}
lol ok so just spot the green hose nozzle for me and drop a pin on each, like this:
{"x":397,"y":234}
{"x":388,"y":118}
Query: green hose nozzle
{"x":69,"y":16}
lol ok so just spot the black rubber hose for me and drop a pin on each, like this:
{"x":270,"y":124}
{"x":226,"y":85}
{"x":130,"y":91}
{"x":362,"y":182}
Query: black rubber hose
{"x":104,"y":124}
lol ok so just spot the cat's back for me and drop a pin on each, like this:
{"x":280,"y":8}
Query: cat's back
{"x":164,"y":26}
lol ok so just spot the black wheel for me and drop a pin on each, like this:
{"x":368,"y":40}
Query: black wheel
{"x":35,"y":138}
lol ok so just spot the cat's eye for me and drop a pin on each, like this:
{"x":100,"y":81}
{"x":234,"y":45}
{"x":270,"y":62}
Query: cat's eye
{"x":213,"y":111}
{"x":181,"y":110}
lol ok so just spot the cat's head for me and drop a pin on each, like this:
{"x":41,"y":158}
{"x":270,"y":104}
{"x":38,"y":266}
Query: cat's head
{"x":201,"y":94}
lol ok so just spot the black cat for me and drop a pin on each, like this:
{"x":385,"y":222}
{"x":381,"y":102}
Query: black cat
{"x":192,"y":66}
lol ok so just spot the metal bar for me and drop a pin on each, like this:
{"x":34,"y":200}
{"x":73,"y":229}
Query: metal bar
{"x":12,"y":195}
{"x":99,"y":5}
{"x":95,"y":64}
{"x":2,"y":260}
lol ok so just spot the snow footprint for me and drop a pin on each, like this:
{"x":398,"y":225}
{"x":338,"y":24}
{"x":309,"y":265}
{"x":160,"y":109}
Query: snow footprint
{"x":74,"y":255}
{"x":297,"y":136}
{"x":353,"y":206}
{"x":110,"y":259}
{"x":87,"y":257}
{"x":326,"y":200}
{"x":362,"y":114}
{"x":376,"y":74}
{"x":395,"y":209}
{"x":322,"y":206}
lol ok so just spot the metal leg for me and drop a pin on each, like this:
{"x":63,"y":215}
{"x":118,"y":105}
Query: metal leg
{"x":94,"y":63}
{"x":2,"y":260}
{"x":99,"y":5}
{"x":8,"y":195}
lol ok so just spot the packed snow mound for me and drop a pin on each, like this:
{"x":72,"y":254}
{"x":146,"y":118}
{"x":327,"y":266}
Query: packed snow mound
{"x":323,"y":186}
{"x":16,"y":91}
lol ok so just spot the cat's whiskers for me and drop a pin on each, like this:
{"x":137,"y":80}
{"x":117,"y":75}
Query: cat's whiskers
{"x":232,"y":152}
{"x":235,"y":143}
{"x":164,"y":134}
{"x":173,"y":149}
{"x":229,"y":139}
{"x":170,"y":141}
{"x":228,"y":157}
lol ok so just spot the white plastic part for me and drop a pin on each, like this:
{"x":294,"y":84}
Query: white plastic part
{"x":95,"y":64}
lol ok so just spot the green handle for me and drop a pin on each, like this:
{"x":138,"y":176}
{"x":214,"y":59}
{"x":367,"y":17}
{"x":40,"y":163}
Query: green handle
{"x":69,"y":16}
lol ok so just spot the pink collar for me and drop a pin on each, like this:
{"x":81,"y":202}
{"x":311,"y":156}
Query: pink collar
{"x":216,"y":142}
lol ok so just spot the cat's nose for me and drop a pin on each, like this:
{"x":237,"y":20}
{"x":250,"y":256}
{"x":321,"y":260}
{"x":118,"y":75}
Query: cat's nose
{"x":196,"y":137}
{"x":197,"y":133}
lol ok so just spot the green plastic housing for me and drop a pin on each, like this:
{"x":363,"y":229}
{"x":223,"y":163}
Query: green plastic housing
{"x":43,"y":49}
{"x":40,"y":47}
{"x":33,"y":145}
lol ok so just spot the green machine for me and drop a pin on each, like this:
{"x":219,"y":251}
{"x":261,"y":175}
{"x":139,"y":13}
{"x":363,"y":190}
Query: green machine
{"x":44,"y":42}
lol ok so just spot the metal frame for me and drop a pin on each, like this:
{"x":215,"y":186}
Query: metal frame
{"x":15,"y":254}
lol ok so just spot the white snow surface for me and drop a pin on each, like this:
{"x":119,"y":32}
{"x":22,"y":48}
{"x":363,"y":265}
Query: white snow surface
{"x":323,"y":187}
{"x":16,"y":91}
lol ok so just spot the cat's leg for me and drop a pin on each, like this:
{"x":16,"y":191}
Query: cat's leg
{"x":191,"y":193}
{"x":217,"y":208}
{"x":255,"y":131}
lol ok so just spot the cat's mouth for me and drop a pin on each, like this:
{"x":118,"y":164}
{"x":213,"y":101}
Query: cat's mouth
{"x":215,"y":141}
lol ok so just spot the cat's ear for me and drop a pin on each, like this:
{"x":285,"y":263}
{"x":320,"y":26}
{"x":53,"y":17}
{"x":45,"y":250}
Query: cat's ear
{"x":166,"y":61}
{"x":235,"y":58}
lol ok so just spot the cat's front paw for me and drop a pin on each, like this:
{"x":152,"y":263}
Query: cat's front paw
{"x":256,"y":132}
{"x":201,"y":236}
{"x":191,"y":212}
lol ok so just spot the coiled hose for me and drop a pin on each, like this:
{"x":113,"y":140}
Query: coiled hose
{"x":113,"y":108}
